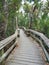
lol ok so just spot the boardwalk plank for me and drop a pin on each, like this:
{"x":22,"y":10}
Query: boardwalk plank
{"x":27,"y":53}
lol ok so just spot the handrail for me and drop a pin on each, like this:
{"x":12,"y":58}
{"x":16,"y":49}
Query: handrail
{"x":24,"y":29}
{"x":44,"y":41}
{"x":42,"y":36}
{"x":6,"y":42}
{"x":3,"y":43}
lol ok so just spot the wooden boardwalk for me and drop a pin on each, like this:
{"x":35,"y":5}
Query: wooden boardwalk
{"x":27,"y":53}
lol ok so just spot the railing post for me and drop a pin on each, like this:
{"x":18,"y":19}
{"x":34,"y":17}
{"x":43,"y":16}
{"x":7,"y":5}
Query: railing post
{"x":1,"y":53}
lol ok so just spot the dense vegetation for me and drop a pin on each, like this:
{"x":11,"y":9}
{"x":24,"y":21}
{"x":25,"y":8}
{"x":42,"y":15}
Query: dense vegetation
{"x":36,"y":16}
{"x":8,"y":10}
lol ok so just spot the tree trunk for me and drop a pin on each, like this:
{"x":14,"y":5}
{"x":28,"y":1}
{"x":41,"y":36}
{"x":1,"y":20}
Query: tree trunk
{"x":3,"y":22}
{"x":30,"y":21}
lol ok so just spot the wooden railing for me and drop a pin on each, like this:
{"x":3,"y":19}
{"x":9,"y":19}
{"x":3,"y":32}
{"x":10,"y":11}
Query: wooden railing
{"x":40,"y":37}
{"x":6,"y":46}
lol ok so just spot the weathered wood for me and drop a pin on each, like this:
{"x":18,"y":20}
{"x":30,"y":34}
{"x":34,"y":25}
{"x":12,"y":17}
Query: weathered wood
{"x":6,"y":42}
{"x":40,"y":37}
{"x":27,"y":53}
{"x":43,"y":40}
{"x":7,"y":52}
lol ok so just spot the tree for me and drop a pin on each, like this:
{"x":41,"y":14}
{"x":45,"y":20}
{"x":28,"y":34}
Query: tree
{"x":13,"y":6}
{"x":8,"y":10}
{"x":40,"y":16}
{"x":27,"y":9}
{"x":3,"y":18}
{"x":23,"y":20}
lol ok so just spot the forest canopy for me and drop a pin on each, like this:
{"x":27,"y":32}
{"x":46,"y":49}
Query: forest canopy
{"x":34,"y":15}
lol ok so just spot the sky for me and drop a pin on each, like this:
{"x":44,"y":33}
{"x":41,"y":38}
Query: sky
{"x":44,"y":0}
{"x":22,"y":1}
{"x":41,"y":0}
{"x":21,"y":8}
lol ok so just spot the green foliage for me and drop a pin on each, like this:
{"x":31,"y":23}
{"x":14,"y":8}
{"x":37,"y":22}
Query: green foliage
{"x":40,"y":17}
{"x":23,"y":20}
{"x":1,"y":11}
{"x":13,"y":6}
{"x":11,"y":27}
{"x":27,"y":7}
{"x":8,"y":16}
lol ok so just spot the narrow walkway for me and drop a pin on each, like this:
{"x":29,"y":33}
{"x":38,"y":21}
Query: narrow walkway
{"x":27,"y":53}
